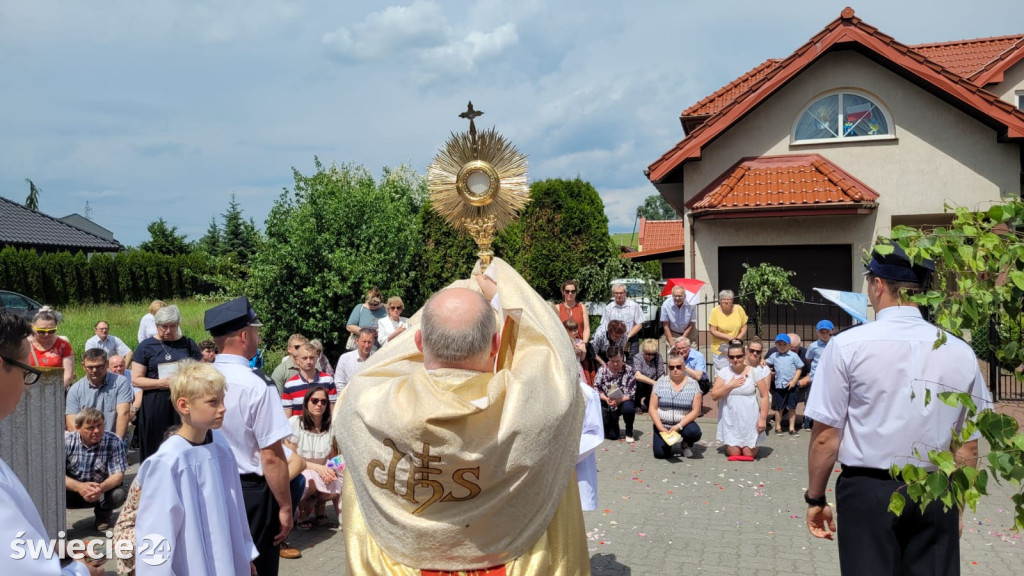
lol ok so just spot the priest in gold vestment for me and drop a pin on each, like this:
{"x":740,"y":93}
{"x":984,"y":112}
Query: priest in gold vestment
{"x":461,"y":440}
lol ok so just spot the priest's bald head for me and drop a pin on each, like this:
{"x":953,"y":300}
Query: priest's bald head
{"x":458,"y":330}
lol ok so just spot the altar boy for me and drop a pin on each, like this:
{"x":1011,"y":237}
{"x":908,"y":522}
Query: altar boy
{"x":191,"y":493}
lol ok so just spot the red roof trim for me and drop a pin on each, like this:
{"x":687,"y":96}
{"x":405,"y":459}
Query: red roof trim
{"x":845,"y":29}
{"x":662,"y":253}
{"x":784,"y":212}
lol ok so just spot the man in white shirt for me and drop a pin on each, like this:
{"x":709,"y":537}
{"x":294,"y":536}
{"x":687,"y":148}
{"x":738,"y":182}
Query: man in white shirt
{"x":676,"y":316}
{"x":351,"y":362}
{"x":254,"y":427}
{"x":107,"y":342}
{"x":870,"y":411}
{"x":629,"y":312}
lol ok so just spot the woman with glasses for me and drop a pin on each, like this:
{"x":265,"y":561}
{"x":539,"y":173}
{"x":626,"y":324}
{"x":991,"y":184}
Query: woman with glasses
{"x":366,"y":315}
{"x":312,"y":440}
{"x":650,"y":368}
{"x":571,"y":308}
{"x":153,"y":363}
{"x":742,"y":395}
{"x":394,"y":324}
{"x":48,"y":349}
{"x":676,"y":404}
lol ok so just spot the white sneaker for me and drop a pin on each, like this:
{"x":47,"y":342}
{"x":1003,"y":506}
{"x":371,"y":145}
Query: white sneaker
{"x":687,"y":453}
{"x":630,"y":439}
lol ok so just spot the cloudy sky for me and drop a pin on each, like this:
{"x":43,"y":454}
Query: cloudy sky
{"x":148,"y":108}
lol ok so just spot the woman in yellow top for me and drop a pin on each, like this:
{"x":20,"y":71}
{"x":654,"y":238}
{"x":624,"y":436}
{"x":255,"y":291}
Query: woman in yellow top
{"x":727,"y":321}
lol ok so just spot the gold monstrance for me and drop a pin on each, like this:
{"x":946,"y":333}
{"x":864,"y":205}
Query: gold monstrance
{"x":478,"y":183}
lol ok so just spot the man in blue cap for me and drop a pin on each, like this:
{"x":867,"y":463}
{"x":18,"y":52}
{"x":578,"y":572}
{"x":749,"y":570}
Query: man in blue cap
{"x":254,"y":426}
{"x":870,"y":413}
{"x":824,"y":329}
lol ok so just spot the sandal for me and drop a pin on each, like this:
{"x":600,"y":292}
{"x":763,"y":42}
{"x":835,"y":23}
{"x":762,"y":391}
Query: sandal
{"x":321,"y":520}
{"x":304,"y":525}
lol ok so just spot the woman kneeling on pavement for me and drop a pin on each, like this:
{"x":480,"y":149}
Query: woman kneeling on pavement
{"x":742,"y":394}
{"x":617,"y":386}
{"x":675,"y":405}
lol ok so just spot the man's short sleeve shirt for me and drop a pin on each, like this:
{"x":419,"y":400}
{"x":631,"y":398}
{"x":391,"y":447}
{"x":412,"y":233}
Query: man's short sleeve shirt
{"x":254,"y":419}
{"x":94,"y":463}
{"x":872,"y":381}
{"x":678,"y":317}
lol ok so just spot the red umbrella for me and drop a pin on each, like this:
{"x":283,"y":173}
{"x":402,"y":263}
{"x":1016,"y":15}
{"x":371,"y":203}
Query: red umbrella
{"x":689,"y":284}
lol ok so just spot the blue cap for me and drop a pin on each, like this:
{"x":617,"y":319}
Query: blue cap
{"x":230,"y":316}
{"x":824,"y":325}
{"x":783,"y":338}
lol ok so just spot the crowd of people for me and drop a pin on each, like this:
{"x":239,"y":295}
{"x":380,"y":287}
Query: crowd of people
{"x":232,"y":459}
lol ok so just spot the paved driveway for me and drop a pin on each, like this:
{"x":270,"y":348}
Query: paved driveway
{"x":703,"y":515}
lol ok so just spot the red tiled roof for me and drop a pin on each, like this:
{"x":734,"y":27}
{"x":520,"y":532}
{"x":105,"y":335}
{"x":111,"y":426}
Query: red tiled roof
{"x":981,"y":60}
{"x":845,"y":31}
{"x":660,"y":254}
{"x":772,"y":183}
{"x":656,"y":235}
{"x":971,"y":58}
{"x":726,"y":94}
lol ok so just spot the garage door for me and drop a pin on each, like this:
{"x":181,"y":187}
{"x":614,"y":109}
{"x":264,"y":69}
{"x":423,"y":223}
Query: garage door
{"x":816,"y":266}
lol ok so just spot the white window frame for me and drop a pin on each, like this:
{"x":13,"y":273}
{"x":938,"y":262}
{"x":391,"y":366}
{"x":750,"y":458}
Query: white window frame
{"x":842,"y":139}
{"x":1020,"y":99}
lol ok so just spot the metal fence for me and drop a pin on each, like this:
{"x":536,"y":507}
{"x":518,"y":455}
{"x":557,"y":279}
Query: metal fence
{"x":1006,"y":381}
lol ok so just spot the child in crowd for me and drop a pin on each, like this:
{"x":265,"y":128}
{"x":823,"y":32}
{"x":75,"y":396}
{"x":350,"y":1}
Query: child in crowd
{"x":814,"y":352}
{"x":786,"y":364}
{"x":191,"y":500}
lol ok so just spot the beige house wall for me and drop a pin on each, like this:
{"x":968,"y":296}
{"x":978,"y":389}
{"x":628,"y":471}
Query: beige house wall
{"x":1012,"y":84}
{"x":939,"y":155}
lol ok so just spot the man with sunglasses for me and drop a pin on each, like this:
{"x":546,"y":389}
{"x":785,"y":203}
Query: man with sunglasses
{"x":288,"y":366}
{"x":18,"y":515}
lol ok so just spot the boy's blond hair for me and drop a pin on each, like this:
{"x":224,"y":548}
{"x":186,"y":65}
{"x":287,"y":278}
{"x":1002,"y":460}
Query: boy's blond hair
{"x":194,"y":379}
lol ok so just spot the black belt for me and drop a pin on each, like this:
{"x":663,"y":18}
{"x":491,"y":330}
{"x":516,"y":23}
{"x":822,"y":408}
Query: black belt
{"x":252,"y":478}
{"x":876,"y":473}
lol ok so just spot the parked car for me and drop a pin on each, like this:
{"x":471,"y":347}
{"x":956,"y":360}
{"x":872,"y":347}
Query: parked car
{"x":638,"y":290}
{"x":18,"y":304}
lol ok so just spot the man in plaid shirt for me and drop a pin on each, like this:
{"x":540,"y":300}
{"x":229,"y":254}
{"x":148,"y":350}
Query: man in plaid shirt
{"x":95,"y":462}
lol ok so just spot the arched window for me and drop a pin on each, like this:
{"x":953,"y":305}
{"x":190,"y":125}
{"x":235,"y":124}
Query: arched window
{"x":842,"y":115}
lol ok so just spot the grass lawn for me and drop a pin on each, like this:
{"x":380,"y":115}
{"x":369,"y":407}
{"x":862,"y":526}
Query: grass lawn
{"x":625,"y":239}
{"x":79,"y":321}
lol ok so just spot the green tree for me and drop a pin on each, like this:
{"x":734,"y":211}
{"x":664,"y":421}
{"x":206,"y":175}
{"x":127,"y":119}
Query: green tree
{"x":164,"y":239}
{"x":33,"y":195}
{"x":445,"y":254}
{"x":655,"y":207}
{"x":979,"y":279}
{"x":239,"y":237}
{"x":212,"y":242}
{"x":766,"y":284}
{"x":562,"y":229}
{"x":328,"y":240}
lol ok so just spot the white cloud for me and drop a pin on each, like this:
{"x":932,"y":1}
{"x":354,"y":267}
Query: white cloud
{"x":393,"y":30}
{"x":462,"y":55}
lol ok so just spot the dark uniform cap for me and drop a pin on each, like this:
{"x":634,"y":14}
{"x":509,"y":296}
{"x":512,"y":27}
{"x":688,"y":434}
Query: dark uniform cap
{"x":897,"y":266}
{"x":230,"y":316}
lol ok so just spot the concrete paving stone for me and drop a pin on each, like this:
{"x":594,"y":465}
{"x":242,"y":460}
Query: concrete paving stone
{"x":698,"y":516}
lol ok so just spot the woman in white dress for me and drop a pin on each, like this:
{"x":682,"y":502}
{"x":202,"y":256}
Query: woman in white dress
{"x":742,"y":395}
{"x":311,"y":439}
{"x":389,"y":328}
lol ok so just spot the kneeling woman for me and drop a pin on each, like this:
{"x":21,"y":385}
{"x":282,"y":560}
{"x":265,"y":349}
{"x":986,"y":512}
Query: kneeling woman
{"x":311,"y":439}
{"x":742,"y":395}
{"x":617,"y":386}
{"x":675,"y":405}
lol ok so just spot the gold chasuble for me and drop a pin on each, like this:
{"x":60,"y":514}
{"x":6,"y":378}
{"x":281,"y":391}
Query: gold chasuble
{"x":459,"y":472}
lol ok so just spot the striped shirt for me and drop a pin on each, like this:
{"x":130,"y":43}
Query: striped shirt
{"x":674,"y":406}
{"x":295,"y":389}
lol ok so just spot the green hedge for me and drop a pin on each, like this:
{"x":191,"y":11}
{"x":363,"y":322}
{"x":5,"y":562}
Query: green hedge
{"x":61,"y":278}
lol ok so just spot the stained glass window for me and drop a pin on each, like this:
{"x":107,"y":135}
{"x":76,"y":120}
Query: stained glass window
{"x":842,"y":115}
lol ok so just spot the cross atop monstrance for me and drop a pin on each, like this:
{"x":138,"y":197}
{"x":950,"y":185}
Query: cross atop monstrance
{"x":478,"y":183}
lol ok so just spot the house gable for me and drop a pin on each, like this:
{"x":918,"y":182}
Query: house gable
{"x":845,"y":33}
{"x":26,"y":228}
